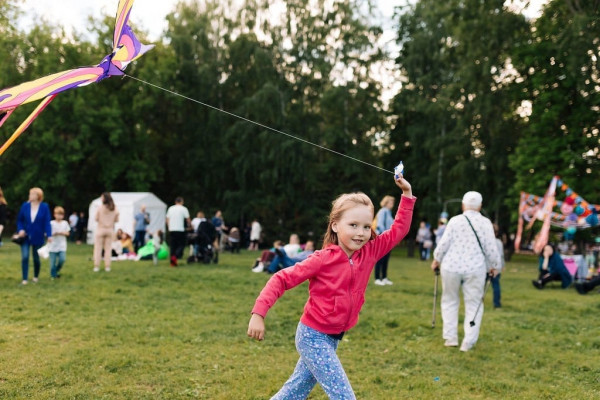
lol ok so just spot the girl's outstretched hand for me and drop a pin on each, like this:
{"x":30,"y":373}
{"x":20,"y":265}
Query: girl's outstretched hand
{"x":404,"y":185}
{"x":256,"y":327}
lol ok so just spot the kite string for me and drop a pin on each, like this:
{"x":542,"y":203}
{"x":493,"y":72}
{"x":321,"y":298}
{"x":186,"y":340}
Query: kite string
{"x":256,"y":123}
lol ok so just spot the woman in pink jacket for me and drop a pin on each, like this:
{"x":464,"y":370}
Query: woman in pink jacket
{"x":338,"y":276}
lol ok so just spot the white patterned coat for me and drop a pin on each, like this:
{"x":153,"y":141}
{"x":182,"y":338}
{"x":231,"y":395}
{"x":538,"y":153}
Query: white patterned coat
{"x":463,"y":265}
{"x":458,"y":250}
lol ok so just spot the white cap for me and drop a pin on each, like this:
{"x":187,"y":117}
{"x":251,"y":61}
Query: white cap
{"x":472,"y":200}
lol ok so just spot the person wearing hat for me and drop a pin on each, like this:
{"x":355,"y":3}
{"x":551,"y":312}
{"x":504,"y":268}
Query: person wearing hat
{"x":466,"y":255}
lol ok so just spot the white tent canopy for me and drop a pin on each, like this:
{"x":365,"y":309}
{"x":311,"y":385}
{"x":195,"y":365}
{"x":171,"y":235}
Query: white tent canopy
{"x":129,"y":204}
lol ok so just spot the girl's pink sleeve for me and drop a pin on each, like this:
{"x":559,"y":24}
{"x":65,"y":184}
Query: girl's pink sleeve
{"x":284,"y":280}
{"x":385,"y":242}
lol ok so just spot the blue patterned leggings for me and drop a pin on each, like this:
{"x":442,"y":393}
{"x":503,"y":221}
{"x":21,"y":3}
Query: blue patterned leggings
{"x":318,"y":363}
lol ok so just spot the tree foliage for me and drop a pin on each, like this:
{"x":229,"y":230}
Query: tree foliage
{"x":455,"y":114}
{"x":308,"y":72}
{"x":310,"y":80}
{"x":562,"y":82}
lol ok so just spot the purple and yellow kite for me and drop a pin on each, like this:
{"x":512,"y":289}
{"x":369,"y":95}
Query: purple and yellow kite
{"x":126,"y":48}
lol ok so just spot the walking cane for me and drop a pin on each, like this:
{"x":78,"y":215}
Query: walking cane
{"x":435,"y":290}
{"x":489,"y":282}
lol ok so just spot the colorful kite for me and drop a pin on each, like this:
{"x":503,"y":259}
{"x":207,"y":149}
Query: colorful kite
{"x":126,"y":48}
{"x":571,"y":214}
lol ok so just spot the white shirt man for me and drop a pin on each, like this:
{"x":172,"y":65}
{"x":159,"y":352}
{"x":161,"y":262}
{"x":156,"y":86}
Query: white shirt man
{"x":177,"y":216}
{"x":465,"y":263}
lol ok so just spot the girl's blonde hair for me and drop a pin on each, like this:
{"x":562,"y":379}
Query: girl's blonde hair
{"x":386,"y":200}
{"x":339,"y":206}
{"x":59,"y":209}
{"x":39,"y":192}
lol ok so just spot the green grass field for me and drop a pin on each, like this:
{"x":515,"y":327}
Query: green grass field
{"x":146,"y":332}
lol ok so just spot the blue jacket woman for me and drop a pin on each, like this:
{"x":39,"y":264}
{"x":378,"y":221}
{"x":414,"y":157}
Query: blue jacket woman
{"x":552,"y":268}
{"x":33,"y":223}
{"x":384,"y":223}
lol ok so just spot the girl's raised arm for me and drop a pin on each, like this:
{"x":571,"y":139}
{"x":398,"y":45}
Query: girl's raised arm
{"x":404,"y":185}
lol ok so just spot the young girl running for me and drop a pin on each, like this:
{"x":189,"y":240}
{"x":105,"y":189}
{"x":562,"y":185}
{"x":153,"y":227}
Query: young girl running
{"x":338,"y":275}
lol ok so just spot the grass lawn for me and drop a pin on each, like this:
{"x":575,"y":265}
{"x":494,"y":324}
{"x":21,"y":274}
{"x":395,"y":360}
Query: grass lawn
{"x":154,"y":332}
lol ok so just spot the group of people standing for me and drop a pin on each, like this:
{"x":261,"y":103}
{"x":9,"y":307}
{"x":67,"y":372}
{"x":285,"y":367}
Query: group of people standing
{"x":213,"y":232}
{"x":427,"y":237}
{"x":38,"y":226}
{"x":35,"y":226}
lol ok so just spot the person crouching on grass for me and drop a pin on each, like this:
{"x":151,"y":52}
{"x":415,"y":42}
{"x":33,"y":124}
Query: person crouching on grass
{"x":338,"y":276}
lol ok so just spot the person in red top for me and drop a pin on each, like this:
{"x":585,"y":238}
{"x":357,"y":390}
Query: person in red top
{"x":338,"y":276}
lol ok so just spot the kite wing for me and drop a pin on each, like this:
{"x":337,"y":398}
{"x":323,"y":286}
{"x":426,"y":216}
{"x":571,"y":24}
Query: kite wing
{"x":129,"y":50}
{"x":126,"y":48}
{"x":121,"y":19}
{"x":52,"y":84}
{"x":25,"y":123}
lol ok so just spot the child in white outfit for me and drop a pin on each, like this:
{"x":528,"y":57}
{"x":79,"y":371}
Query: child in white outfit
{"x":58,"y":246}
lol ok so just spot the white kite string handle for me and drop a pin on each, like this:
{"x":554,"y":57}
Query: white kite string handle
{"x":257,"y":123}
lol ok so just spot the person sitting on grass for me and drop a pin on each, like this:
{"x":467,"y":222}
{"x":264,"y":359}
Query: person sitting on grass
{"x":126,"y":243}
{"x":552,"y":268}
{"x":293,"y":247}
{"x":266,"y":257}
{"x":587,"y":286}
{"x":282,"y":260}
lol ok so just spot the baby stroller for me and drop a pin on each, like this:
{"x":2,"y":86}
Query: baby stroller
{"x":203,"y":244}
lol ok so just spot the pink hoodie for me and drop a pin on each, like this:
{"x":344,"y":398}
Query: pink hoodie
{"x":337,"y":283}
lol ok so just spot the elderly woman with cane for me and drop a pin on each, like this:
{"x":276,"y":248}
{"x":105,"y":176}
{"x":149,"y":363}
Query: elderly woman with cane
{"x":466,"y":254}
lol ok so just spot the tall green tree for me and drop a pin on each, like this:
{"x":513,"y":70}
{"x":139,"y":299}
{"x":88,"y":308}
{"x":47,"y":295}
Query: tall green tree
{"x":190,"y":134}
{"x":561,"y":82}
{"x":9,"y":39}
{"x":326,"y":51}
{"x":455,"y":112}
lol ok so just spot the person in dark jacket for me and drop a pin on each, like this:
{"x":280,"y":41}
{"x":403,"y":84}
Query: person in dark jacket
{"x":33,"y":224}
{"x":552,"y":268}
